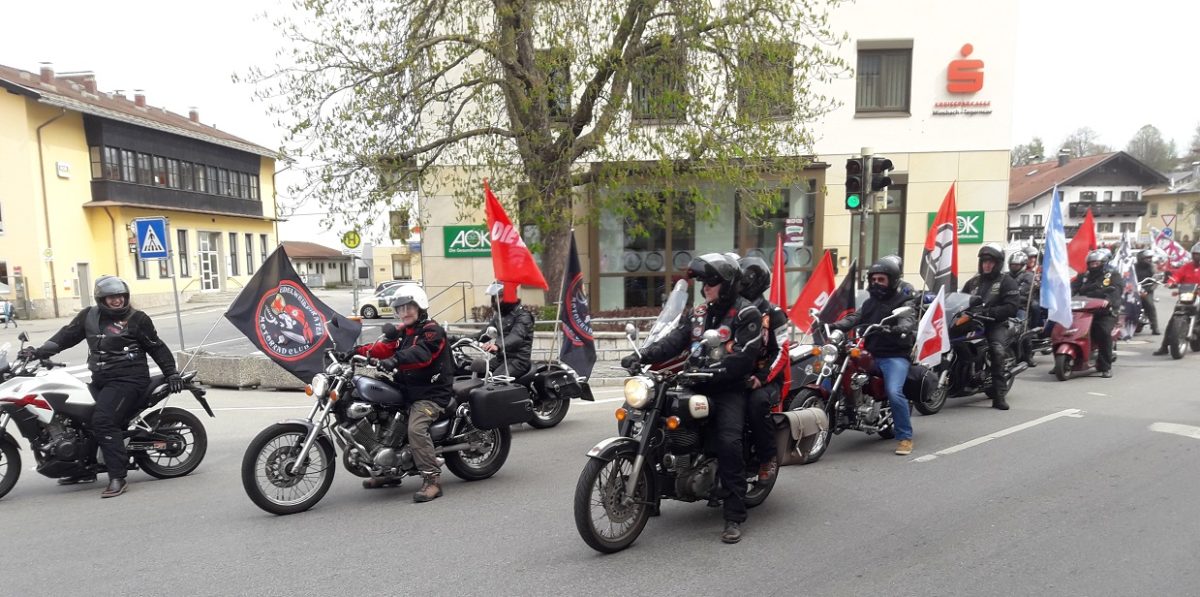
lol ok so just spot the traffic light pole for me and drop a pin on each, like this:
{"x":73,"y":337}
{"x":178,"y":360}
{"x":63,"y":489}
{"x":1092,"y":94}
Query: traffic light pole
{"x":862,"y":218}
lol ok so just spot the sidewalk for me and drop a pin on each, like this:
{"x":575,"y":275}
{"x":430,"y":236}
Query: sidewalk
{"x":49,"y":326}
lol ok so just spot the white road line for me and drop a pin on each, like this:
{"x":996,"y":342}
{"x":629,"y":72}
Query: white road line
{"x":1070,"y":412}
{"x":1096,"y":394}
{"x":233,"y":408}
{"x":1176,"y":429}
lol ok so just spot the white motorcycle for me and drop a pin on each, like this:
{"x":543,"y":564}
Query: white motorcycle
{"x":53,"y":409}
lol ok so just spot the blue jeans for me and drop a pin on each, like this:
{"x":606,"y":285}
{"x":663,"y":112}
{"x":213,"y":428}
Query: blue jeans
{"x":895,"y":371}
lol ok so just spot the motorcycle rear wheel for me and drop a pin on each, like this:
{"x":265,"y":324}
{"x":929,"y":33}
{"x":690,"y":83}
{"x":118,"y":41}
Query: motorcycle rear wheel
{"x":757,"y":491}
{"x":267,"y":474}
{"x":937,"y":399}
{"x":601,"y":490}
{"x":549,"y":412}
{"x":808,"y":398}
{"x":1063,"y":365}
{"x":477,"y":466}
{"x":183,"y":425}
{"x":10,"y":463}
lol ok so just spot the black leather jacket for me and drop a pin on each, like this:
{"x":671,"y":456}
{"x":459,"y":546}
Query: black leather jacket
{"x":424,"y":368}
{"x":1105,"y":284}
{"x":898,"y":339}
{"x":1000,"y":293}
{"x":771,"y":359}
{"x":1144,"y":271}
{"x":740,"y":323}
{"x":1026,"y":284}
{"x":116,"y":348}
{"x":517,"y":327}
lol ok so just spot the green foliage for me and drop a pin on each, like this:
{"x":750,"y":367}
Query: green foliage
{"x":1027,"y":153}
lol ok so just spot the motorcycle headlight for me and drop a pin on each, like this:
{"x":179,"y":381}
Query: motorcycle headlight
{"x":1076,"y":305}
{"x":1187,"y":297}
{"x":320,"y":385}
{"x":829,"y":353}
{"x":637,"y":391}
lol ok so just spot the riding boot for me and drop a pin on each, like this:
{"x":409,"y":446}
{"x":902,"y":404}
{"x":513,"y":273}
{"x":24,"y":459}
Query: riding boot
{"x":999,"y":403}
{"x":116,"y":486}
{"x":431,"y":488}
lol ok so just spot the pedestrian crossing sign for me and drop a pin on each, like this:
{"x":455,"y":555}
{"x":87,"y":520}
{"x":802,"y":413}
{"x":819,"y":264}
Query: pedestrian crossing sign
{"x":151,"y":238}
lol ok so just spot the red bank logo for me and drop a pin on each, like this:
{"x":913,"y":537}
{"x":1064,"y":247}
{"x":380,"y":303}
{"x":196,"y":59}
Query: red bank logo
{"x":964,"y":76}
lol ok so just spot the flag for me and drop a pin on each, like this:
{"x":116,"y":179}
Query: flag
{"x":778,"y":295}
{"x":1056,"y":277}
{"x":1083,"y":243}
{"x":511,"y":259}
{"x":939,"y":261}
{"x":814,"y":295}
{"x":1132,"y":291}
{"x":1174,"y":252}
{"x":579,"y":347}
{"x":933,"y":335}
{"x":282,"y":318}
{"x":841,"y":303}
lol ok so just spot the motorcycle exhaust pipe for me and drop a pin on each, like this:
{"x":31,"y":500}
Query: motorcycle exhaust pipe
{"x":452,"y":448}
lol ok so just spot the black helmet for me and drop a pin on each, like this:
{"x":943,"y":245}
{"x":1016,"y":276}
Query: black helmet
{"x":896,"y":259}
{"x":1098,"y":256}
{"x":887,"y":267}
{"x":1017,"y":260}
{"x":756,"y":277}
{"x":993,"y":252}
{"x":107,"y":286}
{"x":713,"y":269}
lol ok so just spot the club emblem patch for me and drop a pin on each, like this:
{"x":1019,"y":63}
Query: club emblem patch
{"x":289,"y":326}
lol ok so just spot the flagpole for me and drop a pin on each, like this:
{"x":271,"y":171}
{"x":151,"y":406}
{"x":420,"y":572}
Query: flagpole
{"x":558,"y":317}
{"x":192,"y":356}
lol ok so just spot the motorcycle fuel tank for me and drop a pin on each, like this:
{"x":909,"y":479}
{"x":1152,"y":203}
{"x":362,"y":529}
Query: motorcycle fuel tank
{"x":374,"y":390}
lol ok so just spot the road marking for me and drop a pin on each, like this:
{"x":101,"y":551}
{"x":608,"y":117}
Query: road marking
{"x":1176,"y":429}
{"x":233,"y":408}
{"x":1070,"y":412}
{"x":1096,"y":394}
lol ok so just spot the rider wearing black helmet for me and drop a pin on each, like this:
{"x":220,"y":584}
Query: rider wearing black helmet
{"x":1100,"y":281}
{"x":515,"y":323}
{"x":1028,"y":289}
{"x":892,"y":346}
{"x":767,"y":382}
{"x":740,"y":323}
{"x":1001,"y":300}
{"x":1143,"y":268}
{"x":118,"y":337}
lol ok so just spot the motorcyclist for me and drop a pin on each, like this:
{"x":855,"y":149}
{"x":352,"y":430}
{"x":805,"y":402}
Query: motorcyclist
{"x":1143,"y":268}
{"x":515,"y":323}
{"x":1100,"y":281}
{"x":1188,"y":273}
{"x":1027,"y":289}
{"x":118,"y":337}
{"x":741,"y":323}
{"x":424,"y":369}
{"x":766,"y":384}
{"x":1037,"y":316}
{"x":904,"y":288}
{"x":892,"y":345}
{"x":1001,"y":299}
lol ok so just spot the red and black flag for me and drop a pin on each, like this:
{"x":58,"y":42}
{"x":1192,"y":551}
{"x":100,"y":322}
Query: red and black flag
{"x":841,"y":302}
{"x":281,"y":317}
{"x":939,"y":260}
{"x":579,"y":347}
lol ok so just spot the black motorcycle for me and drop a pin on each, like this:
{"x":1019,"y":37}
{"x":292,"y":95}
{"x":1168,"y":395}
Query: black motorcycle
{"x":966,"y":370}
{"x":289,"y":466}
{"x":666,"y":450}
{"x":53,"y":409}
{"x":1182,"y":331}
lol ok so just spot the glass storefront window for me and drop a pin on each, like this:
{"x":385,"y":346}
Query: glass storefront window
{"x":885,"y":229}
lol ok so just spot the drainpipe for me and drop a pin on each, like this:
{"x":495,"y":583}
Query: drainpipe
{"x":116,"y":239}
{"x":46,"y":209}
{"x":275,"y":197}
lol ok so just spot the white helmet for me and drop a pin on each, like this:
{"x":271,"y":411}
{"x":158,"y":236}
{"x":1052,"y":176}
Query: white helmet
{"x":410,"y":293}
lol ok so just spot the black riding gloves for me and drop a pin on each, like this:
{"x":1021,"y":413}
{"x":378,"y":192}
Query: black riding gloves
{"x":175,"y":383}
{"x":631,"y":361}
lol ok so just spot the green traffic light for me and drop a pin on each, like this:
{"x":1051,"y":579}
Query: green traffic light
{"x":853,"y":201}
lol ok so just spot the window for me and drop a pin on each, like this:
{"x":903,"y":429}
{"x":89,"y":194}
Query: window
{"x":884,"y":79}
{"x":213,"y":186}
{"x":1087,"y":196}
{"x":1154,"y":209}
{"x":164,"y":268}
{"x":160,"y":171}
{"x":233,"y":253}
{"x":4,"y":274}
{"x":1108,"y":195}
{"x":765,"y":80}
{"x":254,"y":187}
{"x":1104,"y":227}
{"x":1128,"y":226}
{"x":1024,"y":219}
{"x":201,"y":179}
{"x":1037,"y":219}
{"x":1179,"y":208}
{"x":173,"y":174}
{"x":128,"y":166}
{"x":1,"y":221}
{"x":144,"y":173}
{"x":262,"y":247}
{"x":659,"y":88}
{"x":555,"y":65}
{"x":401,"y":267}
{"x":224,"y":186}
{"x":249,"y":253}
{"x":1129,"y":195}
{"x":235,"y":184}
{"x":181,"y":249}
{"x":140,"y":266}
{"x":112,"y":163}
{"x":187,"y":176}
{"x":245,"y":178}
{"x":97,"y":168}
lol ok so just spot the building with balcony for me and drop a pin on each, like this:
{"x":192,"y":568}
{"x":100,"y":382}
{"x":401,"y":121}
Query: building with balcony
{"x":1110,"y":184}
{"x":1176,"y":205}
{"x":78,"y":165}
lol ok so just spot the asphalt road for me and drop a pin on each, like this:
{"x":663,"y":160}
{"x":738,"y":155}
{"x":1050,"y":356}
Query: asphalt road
{"x":1085,"y":487}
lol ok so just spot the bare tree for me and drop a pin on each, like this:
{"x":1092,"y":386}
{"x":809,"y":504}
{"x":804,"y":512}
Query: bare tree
{"x":1148,"y":146}
{"x":1084,"y":141}
{"x":1028,"y":152}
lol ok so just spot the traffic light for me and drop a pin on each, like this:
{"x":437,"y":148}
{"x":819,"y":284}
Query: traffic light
{"x":854,"y":183}
{"x":879,"y":178}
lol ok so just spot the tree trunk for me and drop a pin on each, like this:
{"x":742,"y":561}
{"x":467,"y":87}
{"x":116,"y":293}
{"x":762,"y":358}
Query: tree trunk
{"x":556,"y":243}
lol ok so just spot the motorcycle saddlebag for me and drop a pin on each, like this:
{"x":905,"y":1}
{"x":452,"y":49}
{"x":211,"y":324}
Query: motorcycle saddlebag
{"x":556,"y":383}
{"x":920,"y":383}
{"x":496,"y":405}
{"x":795,"y":432}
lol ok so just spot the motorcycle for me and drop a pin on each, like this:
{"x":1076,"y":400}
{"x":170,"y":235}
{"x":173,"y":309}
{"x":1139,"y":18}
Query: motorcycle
{"x":1073,"y":348}
{"x":1182,"y":331}
{"x":967,"y":369}
{"x":666,"y":449}
{"x":551,"y":384}
{"x":289,"y":466}
{"x":52,"y":409}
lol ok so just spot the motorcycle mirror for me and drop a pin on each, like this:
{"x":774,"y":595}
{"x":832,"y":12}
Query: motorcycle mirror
{"x":492,"y":332}
{"x":494,"y":289}
{"x":631,"y":331}
{"x":711,"y":338}
{"x":23,"y":337}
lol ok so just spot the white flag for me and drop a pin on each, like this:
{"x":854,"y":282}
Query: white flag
{"x":933,"y":335}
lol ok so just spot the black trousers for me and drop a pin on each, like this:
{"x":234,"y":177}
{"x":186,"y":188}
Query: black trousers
{"x":758,"y":419}
{"x":998,"y":339}
{"x":114,"y":399}
{"x":1150,"y":311}
{"x":1101,"y":333}
{"x":729,"y":414}
{"x":513,"y":368}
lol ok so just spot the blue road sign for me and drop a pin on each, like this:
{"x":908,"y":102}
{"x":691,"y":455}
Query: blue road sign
{"x":1167,"y":232}
{"x":151,"y":238}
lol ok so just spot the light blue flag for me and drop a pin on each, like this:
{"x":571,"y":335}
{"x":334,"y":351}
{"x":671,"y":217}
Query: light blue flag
{"x":1056,"y":276}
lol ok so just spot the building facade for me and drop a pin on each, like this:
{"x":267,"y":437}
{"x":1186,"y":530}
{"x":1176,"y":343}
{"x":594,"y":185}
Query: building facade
{"x":934,"y":100}
{"x":318,"y":265}
{"x":1177,"y":206}
{"x":79,"y":165}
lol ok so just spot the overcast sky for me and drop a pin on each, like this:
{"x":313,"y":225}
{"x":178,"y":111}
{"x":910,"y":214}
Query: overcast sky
{"x":1113,"y":67}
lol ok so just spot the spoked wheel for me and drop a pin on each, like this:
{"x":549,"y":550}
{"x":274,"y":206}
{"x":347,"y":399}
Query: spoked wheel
{"x":10,"y":463}
{"x":189,"y":444}
{"x":270,"y":475}
{"x":1063,"y":364}
{"x":476,"y":465}
{"x":549,"y":413}
{"x":809,"y":399}
{"x":608,"y":519}
{"x":1176,"y":343}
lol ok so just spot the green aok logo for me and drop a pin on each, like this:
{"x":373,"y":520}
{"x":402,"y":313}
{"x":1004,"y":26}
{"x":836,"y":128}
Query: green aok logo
{"x":467,"y":241}
{"x":970,"y":226}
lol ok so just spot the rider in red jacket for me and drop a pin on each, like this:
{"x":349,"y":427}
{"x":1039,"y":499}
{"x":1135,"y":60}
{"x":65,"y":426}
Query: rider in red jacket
{"x":382,"y":348}
{"x":1188,"y":273}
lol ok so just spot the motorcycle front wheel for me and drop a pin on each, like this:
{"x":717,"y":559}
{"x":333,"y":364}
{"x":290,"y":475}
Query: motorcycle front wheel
{"x":269,"y":476}
{"x":757,"y":491}
{"x":1176,"y":343}
{"x":1063,"y":365}
{"x":185,"y":428}
{"x":608,"y":519}
{"x":549,"y":412}
{"x":10,"y":463}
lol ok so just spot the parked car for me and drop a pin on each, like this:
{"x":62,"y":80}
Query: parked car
{"x":380,"y":304}
{"x":388,"y":284}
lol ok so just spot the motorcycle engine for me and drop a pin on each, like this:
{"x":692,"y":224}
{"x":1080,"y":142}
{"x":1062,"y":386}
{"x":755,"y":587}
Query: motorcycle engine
{"x":65,"y":443}
{"x":694,"y":481}
{"x":682,"y":441}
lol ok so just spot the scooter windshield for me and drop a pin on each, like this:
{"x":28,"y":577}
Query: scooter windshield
{"x":957,"y":302}
{"x":669,"y":316}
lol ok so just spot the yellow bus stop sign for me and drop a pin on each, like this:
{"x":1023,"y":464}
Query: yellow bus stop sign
{"x":351,"y":239}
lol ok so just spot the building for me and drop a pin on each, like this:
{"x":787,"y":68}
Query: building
{"x":78,"y":165}
{"x":1110,"y":184}
{"x":398,"y":261}
{"x":1176,"y":205}
{"x":933,"y":99}
{"x":318,"y":265}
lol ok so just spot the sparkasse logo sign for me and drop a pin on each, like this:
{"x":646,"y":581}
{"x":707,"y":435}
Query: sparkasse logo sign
{"x":467,"y":241}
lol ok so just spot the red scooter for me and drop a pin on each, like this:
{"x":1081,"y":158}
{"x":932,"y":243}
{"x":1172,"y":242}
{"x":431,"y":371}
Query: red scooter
{"x":1073,"y":348}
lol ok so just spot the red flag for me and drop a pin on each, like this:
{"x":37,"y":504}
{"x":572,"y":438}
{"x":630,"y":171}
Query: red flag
{"x":511,"y":259}
{"x":1084,"y":241}
{"x":933,"y":338}
{"x":778,"y":294}
{"x":815,"y":294}
{"x":939,"y":261}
